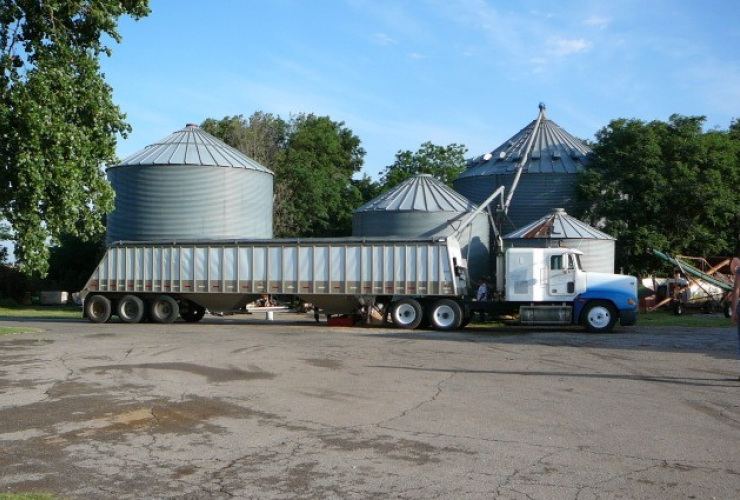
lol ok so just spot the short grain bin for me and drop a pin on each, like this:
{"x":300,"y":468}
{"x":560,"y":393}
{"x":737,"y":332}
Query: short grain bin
{"x":561,"y":230}
{"x":190,"y":185}
{"x":422,"y":207}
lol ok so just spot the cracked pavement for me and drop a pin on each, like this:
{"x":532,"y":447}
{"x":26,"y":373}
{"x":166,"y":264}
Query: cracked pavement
{"x":238,"y":408}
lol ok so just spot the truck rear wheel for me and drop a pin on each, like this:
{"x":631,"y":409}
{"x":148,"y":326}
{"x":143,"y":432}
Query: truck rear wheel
{"x":599,"y":316}
{"x":97,"y":308}
{"x":406,"y":313}
{"x":163,"y":309}
{"x":446,"y":314}
{"x":130,"y":309}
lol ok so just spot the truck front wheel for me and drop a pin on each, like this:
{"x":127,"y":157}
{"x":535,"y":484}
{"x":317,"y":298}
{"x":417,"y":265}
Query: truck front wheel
{"x":406,"y":313}
{"x":97,"y":309}
{"x":446,"y":314}
{"x":599,"y":316}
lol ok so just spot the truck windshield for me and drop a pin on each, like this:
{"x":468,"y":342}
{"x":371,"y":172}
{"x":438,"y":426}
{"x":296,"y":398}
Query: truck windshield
{"x":577,"y":259}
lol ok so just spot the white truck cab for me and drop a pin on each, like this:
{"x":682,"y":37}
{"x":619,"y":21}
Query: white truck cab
{"x":552,"y":286}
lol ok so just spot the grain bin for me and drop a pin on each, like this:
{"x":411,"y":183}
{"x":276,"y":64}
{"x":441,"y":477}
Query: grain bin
{"x":190,"y":185}
{"x":549,"y":159}
{"x":559,"y":229}
{"x":421,"y":207}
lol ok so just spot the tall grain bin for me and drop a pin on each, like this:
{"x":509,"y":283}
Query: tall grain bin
{"x":559,"y":229}
{"x":421,"y":207}
{"x":190,"y":185}
{"x":549,"y":159}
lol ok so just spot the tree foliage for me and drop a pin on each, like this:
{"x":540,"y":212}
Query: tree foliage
{"x":664,"y":185}
{"x":58,"y":123}
{"x":314,"y":160}
{"x":443,"y":162}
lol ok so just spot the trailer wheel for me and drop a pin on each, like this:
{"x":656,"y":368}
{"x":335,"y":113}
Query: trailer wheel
{"x":446,"y":314}
{"x":130,"y":309}
{"x":406,"y":313}
{"x":97,"y":309}
{"x":192,"y":313}
{"x":599,"y":316}
{"x":163,"y":309}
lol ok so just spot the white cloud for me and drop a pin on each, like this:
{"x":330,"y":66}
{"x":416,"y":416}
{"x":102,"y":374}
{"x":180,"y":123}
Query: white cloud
{"x":383,"y":39}
{"x":565,"y":47}
{"x":597,"y":22}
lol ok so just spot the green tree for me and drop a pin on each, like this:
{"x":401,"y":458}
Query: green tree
{"x":58,"y":122}
{"x":73,"y":261}
{"x":443,"y":162}
{"x":668,"y":186}
{"x":317,"y":165}
{"x":5,"y":235}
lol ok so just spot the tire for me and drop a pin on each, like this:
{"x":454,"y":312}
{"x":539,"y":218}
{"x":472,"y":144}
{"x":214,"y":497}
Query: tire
{"x":163,"y":309}
{"x":599,"y":316}
{"x":130,"y":309}
{"x":678,"y":309}
{"x":446,"y":314}
{"x":192,"y":313}
{"x":98,"y":309}
{"x":406,"y":313}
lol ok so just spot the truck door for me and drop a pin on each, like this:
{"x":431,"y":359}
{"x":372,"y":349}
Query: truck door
{"x":562,"y":282}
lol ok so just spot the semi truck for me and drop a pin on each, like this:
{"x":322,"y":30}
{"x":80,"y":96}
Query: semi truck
{"x":410,"y":282}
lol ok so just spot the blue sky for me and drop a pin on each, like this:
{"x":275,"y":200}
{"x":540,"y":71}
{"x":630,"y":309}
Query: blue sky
{"x":399,"y":73}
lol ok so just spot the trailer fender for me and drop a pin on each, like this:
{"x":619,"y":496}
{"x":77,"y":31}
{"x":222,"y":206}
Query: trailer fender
{"x":625,"y":303}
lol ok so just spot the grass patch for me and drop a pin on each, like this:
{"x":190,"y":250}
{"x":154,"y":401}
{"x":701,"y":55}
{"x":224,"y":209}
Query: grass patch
{"x":40,"y":312}
{"x":690,"y":320}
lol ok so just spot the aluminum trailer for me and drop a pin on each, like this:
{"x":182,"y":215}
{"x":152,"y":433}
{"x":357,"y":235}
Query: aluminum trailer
{"x":161,"y":280}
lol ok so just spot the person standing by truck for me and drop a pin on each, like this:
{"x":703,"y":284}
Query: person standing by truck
{"x":735,"y":269}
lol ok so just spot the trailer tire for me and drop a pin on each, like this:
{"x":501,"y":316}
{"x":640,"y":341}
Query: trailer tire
{"x":446,"y":314}
{"x":163,"y":309}
{"x":130,"y":309}
{"x":98,"y":308}
{"x":406,"y":313}
{"x":192,"y":313}
{"x":599,"y":316}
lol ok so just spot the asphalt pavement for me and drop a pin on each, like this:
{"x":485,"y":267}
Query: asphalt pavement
{"x":241,"y":408}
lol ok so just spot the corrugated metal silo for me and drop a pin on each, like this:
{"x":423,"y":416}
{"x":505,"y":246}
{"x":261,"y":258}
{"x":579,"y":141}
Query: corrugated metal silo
{"x":548,"y":156}
{"x":561,"y":230}
{"x":422,"y":206}
{"x":190,"y":185}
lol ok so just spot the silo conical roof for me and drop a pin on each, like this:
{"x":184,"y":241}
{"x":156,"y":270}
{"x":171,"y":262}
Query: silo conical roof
{"x":544,"y":148}
{"x":421,"y":193}
{"x":558,"y":225}
{"x":192,"y":146}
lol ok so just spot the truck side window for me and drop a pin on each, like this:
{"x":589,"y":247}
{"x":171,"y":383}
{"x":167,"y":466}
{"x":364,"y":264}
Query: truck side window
{"x":556,"y":262}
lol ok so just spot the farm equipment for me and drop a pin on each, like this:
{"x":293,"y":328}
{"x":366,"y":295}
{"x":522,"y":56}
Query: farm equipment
{"x":697,"y":284}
